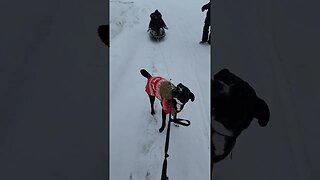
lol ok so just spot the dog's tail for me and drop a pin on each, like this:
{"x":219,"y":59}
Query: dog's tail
{"x":145,"y":73}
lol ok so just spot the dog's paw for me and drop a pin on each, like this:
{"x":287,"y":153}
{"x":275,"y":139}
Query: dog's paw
{"x":153,"y":113}
{"x":161,"y":129}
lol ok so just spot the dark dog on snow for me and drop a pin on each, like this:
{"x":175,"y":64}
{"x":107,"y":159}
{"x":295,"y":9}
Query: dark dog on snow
{"x":234,"y":105}
{"x":172,"y":98}
{"x":103,"y":32}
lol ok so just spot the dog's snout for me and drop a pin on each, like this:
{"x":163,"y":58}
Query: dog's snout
{"x":179,"y":107}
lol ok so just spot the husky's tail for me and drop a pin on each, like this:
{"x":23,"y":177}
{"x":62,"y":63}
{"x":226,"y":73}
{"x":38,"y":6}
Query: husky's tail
{"x":145,"y":73}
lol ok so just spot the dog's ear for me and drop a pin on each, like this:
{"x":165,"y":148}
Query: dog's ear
{"x":192,"y":97}
{"x":261,"y":112}
{"x":180,"y":85}
{"x":222,"y":74}
{"x":103,"y":32}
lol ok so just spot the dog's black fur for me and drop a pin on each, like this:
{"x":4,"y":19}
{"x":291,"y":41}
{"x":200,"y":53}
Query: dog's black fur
{"x":234,"y":105}
{"x":180,"y":93}
{"x":103,"y":32}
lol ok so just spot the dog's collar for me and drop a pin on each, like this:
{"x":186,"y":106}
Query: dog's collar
{"x":227,"y":136}
{"x":220,"y":129}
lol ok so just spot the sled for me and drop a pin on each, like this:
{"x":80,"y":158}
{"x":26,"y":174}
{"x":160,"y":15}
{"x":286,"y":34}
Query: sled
{"x":157,"y":36}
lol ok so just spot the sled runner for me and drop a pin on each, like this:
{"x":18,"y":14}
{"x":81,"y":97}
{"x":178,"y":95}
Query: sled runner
{"x":157,"y":35}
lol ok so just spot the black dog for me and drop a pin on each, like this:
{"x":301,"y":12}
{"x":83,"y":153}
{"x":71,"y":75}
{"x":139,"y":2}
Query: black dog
{"x":103,"y":32}
{"x":234,"y":105}
{"x":172,"y":98}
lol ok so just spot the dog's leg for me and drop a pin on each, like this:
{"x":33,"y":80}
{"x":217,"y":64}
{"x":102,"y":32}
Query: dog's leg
{"x":163,"y":121}
{"x":152,"y":99}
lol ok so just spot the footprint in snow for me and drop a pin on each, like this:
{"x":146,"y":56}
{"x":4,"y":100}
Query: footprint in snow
{"x":148,"y":176}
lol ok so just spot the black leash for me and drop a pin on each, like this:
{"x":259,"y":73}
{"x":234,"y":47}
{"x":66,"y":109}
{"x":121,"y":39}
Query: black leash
{"x":164,"y":165}
{"x":182,"y":122}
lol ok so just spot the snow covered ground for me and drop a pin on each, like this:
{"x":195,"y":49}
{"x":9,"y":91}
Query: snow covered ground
{"x":136,"y":146}
{"x":274,"y":46}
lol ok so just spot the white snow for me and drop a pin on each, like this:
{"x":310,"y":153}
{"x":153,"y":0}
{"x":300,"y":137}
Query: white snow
{"x":136,"y":146}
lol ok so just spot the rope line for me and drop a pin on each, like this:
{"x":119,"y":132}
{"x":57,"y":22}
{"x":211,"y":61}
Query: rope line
{"x":182,"y":122}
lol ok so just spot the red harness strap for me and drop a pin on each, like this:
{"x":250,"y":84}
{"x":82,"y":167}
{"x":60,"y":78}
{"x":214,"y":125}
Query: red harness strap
{"x":165,"y":106}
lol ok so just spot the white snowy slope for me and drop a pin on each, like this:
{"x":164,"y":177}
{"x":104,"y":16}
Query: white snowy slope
{"x":136,"y":146}
{"x":274,"y":46}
